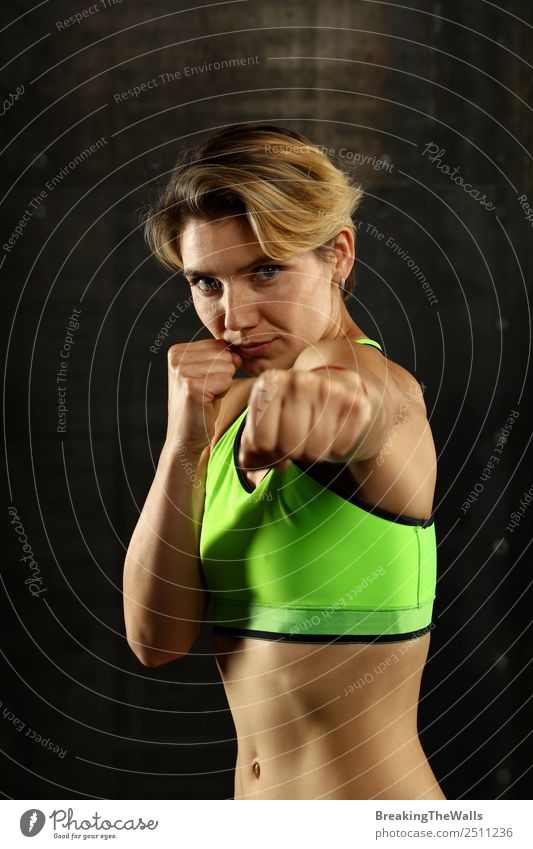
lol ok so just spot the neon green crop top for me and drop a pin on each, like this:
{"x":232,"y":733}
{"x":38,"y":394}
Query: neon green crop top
{"x":299,"y":558}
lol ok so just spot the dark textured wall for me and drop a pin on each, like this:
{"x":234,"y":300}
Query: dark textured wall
{"x":415,"y":97}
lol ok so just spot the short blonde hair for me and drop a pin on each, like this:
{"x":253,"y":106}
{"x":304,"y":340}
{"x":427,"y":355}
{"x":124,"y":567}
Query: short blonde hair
{"x":293,"y":196}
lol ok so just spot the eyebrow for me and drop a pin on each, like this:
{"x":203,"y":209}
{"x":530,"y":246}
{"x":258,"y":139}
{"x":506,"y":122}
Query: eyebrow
{"x":189,"y":272}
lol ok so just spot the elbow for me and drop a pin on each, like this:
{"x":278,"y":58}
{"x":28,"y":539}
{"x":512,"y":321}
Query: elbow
{"x":151,"y":657}
{"x":154,"y":645}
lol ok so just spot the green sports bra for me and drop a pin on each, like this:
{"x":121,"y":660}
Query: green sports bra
{"x":299,"y":558}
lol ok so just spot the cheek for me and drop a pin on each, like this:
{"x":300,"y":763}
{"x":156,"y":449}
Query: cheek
{"x":311,"y":284}
{"x":307,"y":302}
{"x":207,"y":310}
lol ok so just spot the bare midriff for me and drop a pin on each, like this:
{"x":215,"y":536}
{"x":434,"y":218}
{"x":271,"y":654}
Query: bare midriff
{"x":318,"y":721}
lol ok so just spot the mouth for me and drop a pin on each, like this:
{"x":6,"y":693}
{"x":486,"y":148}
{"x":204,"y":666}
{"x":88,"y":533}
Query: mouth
{"x":250,"y":350}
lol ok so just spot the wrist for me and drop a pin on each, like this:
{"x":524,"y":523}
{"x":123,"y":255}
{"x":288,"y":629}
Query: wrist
{"x":174,"y":448}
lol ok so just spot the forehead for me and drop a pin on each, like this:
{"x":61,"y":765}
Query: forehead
{"x":221,"y":245}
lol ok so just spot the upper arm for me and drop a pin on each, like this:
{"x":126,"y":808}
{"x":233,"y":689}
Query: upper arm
{"x":390,"y":385}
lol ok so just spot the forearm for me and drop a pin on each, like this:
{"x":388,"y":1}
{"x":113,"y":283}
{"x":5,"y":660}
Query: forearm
{"x":164,"y":594}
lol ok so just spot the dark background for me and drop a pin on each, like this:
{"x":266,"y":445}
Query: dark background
{"x":381,"y":81}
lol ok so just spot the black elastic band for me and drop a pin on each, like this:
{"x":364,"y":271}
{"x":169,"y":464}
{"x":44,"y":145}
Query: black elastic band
{"x":321,"y":638}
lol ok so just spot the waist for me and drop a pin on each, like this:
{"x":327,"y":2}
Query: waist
{"x":279,"y":692}
{"x":396,"y":767}
{"x":315,"y":719}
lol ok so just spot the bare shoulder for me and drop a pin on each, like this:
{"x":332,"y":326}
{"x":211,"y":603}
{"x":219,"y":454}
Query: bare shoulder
{"x":410,"y":388}
{"x":396,"y":379}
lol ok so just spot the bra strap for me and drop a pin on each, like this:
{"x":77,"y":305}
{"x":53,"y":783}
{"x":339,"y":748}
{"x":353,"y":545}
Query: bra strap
{"x":368,"y":342}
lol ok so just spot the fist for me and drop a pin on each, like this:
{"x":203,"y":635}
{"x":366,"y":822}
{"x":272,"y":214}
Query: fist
{"x":199,"y":375}
{"x":306,"y":415}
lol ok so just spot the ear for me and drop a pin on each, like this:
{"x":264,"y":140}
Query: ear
{"x":344,"y":247}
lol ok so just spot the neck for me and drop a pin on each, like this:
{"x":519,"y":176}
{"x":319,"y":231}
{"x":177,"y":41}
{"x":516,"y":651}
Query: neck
{"x":342,"y":325}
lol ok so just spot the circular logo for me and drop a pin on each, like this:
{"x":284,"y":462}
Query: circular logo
{"x":31,"y":822}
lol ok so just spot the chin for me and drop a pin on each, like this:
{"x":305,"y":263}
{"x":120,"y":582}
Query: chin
{"x":255,"y":369}
{"x":257,"y":365}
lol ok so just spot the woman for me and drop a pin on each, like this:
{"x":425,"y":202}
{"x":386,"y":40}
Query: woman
{"x":299,"y":497}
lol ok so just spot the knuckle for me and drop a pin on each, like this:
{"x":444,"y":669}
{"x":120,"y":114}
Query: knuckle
{"x":175,"y":351}
{"x":189,"y":386}
{"x":277,"y":375}
{"x":351,"y":403}
{"x":339,"y":451}
{"x":301,"y":383}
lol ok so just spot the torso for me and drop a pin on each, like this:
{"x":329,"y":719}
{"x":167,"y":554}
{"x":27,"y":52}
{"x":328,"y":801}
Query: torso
{"x":326,"y":722}
{"x":335,"y":721}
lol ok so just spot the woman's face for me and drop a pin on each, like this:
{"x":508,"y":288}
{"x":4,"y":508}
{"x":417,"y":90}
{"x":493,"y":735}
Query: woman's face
{"x":243,"y":297}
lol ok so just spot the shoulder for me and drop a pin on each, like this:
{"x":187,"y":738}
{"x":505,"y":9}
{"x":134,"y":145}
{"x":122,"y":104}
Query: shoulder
{"x":397,"y":381}
{"x":337,"y":351}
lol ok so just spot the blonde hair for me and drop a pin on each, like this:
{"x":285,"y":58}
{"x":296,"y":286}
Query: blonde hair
{"x":293,"y":196}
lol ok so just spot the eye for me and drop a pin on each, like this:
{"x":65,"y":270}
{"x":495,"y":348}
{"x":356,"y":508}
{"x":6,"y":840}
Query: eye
{"x":208,"y":281}
{"x":207,"y":285}
{"x":270,"y":275}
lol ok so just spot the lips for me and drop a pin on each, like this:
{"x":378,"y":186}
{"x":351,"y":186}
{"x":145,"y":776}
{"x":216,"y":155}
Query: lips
{"x":247,"y":350}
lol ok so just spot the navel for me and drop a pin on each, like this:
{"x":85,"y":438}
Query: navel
{"x":256,"y":768}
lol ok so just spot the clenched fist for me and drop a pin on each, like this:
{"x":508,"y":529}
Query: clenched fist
{"x":306,"y":415}
{"x":199,"y":375}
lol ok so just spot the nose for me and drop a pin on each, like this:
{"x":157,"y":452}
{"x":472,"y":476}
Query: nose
{"x":240,"y":307}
